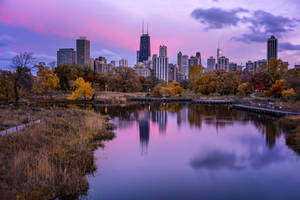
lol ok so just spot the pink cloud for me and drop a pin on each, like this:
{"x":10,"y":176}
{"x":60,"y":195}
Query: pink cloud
{"x":101,"y":22}
{"x":65,"y":19}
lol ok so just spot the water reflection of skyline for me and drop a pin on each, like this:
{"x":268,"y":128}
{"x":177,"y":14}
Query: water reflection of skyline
{"x":192,"y":150}
{"x":196,"y":115}
{"x":144,"y":130}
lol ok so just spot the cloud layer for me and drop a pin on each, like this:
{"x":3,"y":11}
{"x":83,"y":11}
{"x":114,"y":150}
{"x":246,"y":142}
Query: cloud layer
{"x":260,"y":24}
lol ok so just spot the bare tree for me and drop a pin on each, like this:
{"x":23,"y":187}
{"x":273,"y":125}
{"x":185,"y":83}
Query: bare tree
{"x":23,"y":60}
{"x":22,"y":65}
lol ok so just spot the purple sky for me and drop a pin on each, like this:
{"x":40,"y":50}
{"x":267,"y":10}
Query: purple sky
{"x":241,"y":29}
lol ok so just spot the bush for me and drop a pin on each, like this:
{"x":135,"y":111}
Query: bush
{"x":244,"y":90}
{"x":289,"y":94}
{"x":276,"y":90}
{"x":169,"y":90}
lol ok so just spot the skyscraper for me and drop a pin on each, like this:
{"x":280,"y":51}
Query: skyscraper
{"x":185,"y":66}
{"x":250,"y":66}
{"x":211,"y":63}
{"x":198,"y":58}
{"x":137,"y":56}
{"x":83,"y":51}
{"x":223,"y":64}
{"x":123,"y":63}
{"x":162,"y":64}
{"x":192,"y":61}
{"x":219,"y":53}
{"x":154,"y":60}
{"x":272,"y":48}
{"x":145,"y":48}
{"x":101,"y":64}
{"x":232,"y":67}
{"x":66,"y":56}
{"x":179,"y":61}
{"x":163,"y":51}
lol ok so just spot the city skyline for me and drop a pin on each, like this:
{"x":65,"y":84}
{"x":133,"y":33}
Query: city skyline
{"x":189,"y":31}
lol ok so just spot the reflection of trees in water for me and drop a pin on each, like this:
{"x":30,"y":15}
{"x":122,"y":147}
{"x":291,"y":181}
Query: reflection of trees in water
{"x":265,"y":124}
{"x":221,"y":116}
{"x":196,"y":115}
{"x":129,"y":112}
{"x":218,"y":116}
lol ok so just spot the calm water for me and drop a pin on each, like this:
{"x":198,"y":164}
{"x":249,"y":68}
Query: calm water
{"x":194,"y":152}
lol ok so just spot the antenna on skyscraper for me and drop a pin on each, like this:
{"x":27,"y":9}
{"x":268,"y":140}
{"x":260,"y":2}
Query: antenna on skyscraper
{"x":147,"y":29}
{"x":143,"y":27}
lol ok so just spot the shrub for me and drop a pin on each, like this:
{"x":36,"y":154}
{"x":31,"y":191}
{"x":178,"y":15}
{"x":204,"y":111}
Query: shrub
{"x":170,"y":90}
{"x":244,"y":89}
{"x":276,"y":90}
{"x":289,"y":94}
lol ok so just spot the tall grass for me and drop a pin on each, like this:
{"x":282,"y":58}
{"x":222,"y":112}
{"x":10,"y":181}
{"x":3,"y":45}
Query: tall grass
{"x":51,"y":159}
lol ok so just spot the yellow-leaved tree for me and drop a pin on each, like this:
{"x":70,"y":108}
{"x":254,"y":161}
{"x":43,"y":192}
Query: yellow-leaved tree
{"x":172,"y":89}
{"x":82,"y":90}
{"x":47,"y":80}
{"x":195,"y":73}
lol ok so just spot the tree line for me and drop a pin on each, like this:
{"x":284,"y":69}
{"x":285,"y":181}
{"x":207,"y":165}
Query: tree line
{"x":26,"y":79}
{"x":273,"y":79}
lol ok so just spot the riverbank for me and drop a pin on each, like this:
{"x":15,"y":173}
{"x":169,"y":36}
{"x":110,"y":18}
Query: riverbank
{"x":49,"y":159}
{"x":254,"y":104}
{"x":291,"y":126}
{"x":100,"y":97}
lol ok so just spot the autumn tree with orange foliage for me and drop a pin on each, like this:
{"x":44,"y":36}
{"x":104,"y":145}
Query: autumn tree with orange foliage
{"x":47,"y":80}
{"x":82,"y":90}
{"x":289,"y":94}
{"x":276,"y":89}
{"x":171,"y":89}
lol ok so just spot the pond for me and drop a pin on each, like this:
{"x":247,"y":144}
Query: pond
{"x":186,"y":151}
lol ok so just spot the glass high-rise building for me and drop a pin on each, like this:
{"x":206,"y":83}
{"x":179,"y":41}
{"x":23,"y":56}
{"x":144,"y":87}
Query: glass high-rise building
{"x":145,"y":48}
{"x":272,"y":48}
{"x":83,"y":51}
{"x":211,"y":64}
{"x":66,"y":56}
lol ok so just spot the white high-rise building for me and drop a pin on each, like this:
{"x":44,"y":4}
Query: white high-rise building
{"x":162,"y":64}
{"x":163,"y":51}
{"x":211,"y":64}
{"x":185,"y":67}
{"x":142,"y":70}
{"x":123,"y":63}
{"x":223,"y":64}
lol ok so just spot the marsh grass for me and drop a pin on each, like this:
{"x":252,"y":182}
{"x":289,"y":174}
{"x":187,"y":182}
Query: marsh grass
{"x":289,"y":124}
{"x":51,"y":159}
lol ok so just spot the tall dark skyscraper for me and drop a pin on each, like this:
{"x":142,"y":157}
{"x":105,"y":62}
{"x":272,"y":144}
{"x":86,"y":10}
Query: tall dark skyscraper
{"x":272,"y":47}
{"x":83,"y":51}
{"x":145,"y":48}
{"x":179,"y":61}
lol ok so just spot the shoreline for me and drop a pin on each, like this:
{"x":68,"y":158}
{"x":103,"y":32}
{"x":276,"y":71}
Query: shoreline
{"x":54,"y":156}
